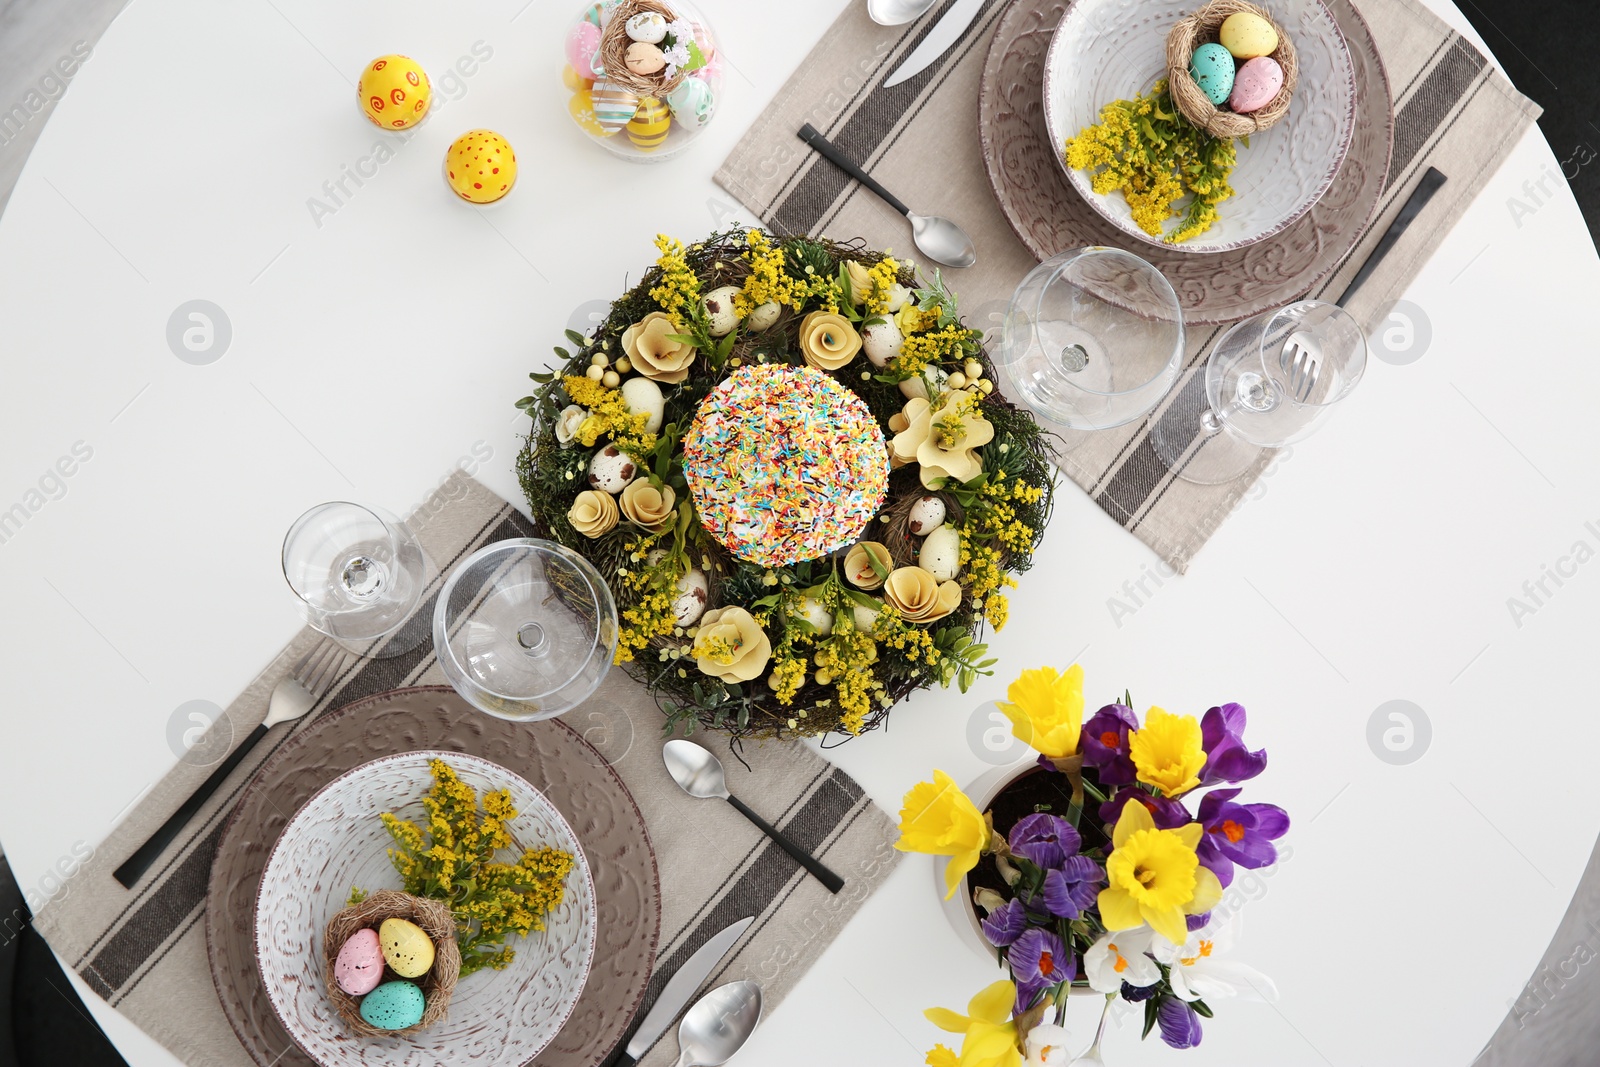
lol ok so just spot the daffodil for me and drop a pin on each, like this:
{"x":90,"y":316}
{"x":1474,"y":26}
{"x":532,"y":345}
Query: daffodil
{"x":1155,"y":876}
{"x":1168,"y":751}
{"x":1046,"y":710}
{"x":939,"y":819}
{"x":989,"y":1037}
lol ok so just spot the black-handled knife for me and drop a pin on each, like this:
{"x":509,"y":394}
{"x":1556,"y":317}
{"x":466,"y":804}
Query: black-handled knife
{"x":1432,"y":179}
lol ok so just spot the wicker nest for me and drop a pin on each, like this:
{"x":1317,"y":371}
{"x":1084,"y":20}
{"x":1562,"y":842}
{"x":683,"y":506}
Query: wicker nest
{"x":437,"y":985}
{"x":614,"y":42}
{"x":1200,"y":27}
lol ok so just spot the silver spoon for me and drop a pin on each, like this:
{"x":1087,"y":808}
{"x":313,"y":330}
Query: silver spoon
{"x":937,"y":238}
{"x":719,"y":1024}
{"x":897,"y":12}
{"x":699,"y":773}
{"x":1091,"y":1056}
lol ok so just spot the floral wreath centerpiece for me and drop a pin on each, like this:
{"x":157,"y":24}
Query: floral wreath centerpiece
{"x":789,"y":458}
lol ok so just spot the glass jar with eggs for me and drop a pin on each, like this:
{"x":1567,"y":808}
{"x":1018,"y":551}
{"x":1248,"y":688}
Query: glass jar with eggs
{"x":643,"y":77}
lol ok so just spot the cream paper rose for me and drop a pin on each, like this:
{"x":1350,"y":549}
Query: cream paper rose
{"x":860,"y":282}
{"x":593,"y":513}
{"x":568,"y":423}
{"x":649,"y":345}
{"x":731,"y":646}
{"x":646,"y":506}
{"x":858,"y":568}
{"x":944,"y":440}
{"x":828,"y":340}
{"x":919,"y":596}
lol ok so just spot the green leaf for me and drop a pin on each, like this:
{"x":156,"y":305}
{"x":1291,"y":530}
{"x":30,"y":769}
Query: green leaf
{"x":543,"y":377}
{"x":1201,"y":1008}
{"x":697,"y":58}
{"x":1150,"y":1007}
{"x":564,"y":354}
{"x":577,"y":338}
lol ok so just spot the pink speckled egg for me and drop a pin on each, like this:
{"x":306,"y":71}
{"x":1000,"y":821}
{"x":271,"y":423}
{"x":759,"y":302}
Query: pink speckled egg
{"x":359,"y":967}
{"x":583,"y":41}
{"x":1256,"y":83}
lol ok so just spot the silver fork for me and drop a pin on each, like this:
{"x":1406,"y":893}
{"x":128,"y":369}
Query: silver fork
{"x":307,"y":682}
{"x":1301,"y":360}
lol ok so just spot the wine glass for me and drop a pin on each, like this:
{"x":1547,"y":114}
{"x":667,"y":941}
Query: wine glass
{"x":359,"y":573}
{"x":1270,"y":381}
{"x":525,"y":629}
{"x":1093,"y":339}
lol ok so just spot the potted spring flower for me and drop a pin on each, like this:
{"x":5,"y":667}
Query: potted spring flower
{"x":1088,"y":871}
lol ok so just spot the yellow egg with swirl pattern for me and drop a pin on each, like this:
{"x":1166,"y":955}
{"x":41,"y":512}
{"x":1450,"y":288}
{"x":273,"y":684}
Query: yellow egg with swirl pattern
{"x":649,"y":125}
{"x":394,"y":92}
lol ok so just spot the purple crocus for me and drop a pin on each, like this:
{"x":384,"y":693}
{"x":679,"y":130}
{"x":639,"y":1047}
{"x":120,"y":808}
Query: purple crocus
{"x":1238,"y":833}
{"x":1168,"y":814}
{"x":1073,"y":888}
{"x":1180,"y":1025}
{"x":1044,"y":840}
{"x":1227,"y":760}
{"x":1005,"y":924}
{"x":1039,"y":958}
{"x":1105,"y":744}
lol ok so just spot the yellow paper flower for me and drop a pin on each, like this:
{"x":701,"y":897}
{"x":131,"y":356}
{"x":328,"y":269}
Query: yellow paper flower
{"x":989,"y":1036}
{"x":860,"y":281}
{"x":859,"y":569}
{"x":593,"y":513}
{"x":919,"y":596}
{"x":1168,"y":752}
{"x":1155,"y":877}
{"x":649,"y":345}
{"x":731,"y":645}
{"x":828,"y":340}
{"x":944,"y":440}
{"x":646,"y":506}
{"x":1046,"y":710}
{"x":938,"y":819}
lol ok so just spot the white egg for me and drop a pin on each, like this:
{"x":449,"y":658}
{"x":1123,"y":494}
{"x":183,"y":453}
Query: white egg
{"x":643,"y":397}
{"x":941,"y":553}
{"x":764,"y":317}
{"x":882,"y":342}
{"x":646,"y":26}
{"x":721,"y":318}
{"x":818,"y":616}
{"x":690,"y":604}
{"x":611,"y":470}
{"x":926,"y":516}
{"x":865,"y":618}
{"x":916,"y":388}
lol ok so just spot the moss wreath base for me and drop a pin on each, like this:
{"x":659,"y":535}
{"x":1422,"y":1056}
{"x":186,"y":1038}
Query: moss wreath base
{"x":799,"y":646}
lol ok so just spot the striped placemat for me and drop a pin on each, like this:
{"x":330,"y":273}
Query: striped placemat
{"x":1452,"y":111}
{"x":144,"y":950}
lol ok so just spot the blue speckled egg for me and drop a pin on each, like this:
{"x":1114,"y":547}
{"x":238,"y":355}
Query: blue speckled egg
{"x":1211,"y":67}
{"x":393,"y":1006}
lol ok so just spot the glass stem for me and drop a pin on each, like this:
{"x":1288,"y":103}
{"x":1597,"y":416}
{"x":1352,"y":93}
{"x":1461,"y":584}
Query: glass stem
{"x":1209,"y":423}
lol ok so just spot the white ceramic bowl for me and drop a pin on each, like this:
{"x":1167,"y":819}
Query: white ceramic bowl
{"x":502,"y":1018}
{"x":1108,"y":50}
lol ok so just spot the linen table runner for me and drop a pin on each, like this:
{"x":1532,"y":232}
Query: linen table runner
{"x":1452,"y":111}
{"x":144,"y":950}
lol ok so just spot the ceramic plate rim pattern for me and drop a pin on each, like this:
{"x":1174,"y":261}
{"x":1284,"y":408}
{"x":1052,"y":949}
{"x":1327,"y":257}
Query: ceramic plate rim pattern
{"x":460,"y":762}
{"x":1070,"y":32}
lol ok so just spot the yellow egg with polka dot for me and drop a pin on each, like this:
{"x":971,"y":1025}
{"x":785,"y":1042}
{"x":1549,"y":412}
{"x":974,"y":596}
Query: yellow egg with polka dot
{"x":581,"y":107}
{"x":649,"y":125}
{"x":480,"y":166}
{"x":394,"y":92}
{"x":574,"y":81}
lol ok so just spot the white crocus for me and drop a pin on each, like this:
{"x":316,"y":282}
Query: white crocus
{"x":1046,"y":1046}
{"x":1121,"y":957}
{"x":567,"y":424}
{"x":1197,"y":973}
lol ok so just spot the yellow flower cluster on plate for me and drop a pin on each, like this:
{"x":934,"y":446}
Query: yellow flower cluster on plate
{"x":866,"y":606}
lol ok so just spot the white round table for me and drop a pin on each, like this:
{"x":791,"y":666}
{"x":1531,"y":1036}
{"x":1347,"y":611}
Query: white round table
{"x":375,"y":345}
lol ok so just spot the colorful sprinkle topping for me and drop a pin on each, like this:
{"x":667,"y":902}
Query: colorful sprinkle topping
{"x":785,"y":464}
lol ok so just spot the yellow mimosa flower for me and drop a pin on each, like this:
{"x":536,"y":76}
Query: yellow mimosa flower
{"x":939,"y":819}
{"x":1046,"y":710}
{"x":1155,"y":877}
{"x":1168,"y":751}
{"x":989,"y":1035}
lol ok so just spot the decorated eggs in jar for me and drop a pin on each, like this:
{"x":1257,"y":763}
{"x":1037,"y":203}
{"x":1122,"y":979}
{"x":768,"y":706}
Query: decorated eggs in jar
{"x":394,"y":92}
{"x":480,"y":166}
{"x":653,"y":76}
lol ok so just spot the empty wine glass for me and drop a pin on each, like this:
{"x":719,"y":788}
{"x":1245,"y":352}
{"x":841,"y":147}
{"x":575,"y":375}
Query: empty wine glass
{"x":1093,"y":339}
{"x":360,"y":574}
{"x":525,"y":629}
{"x":1271,"y":380}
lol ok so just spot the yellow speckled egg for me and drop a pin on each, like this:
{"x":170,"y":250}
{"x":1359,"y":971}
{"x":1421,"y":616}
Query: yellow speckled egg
{"x":480,"y":166}
{"x":649,"y":125}
{"x":1247,"y":35}
{"x":407,"y":948}
{"x":394,"y":92}
{"x":574,"y":81}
